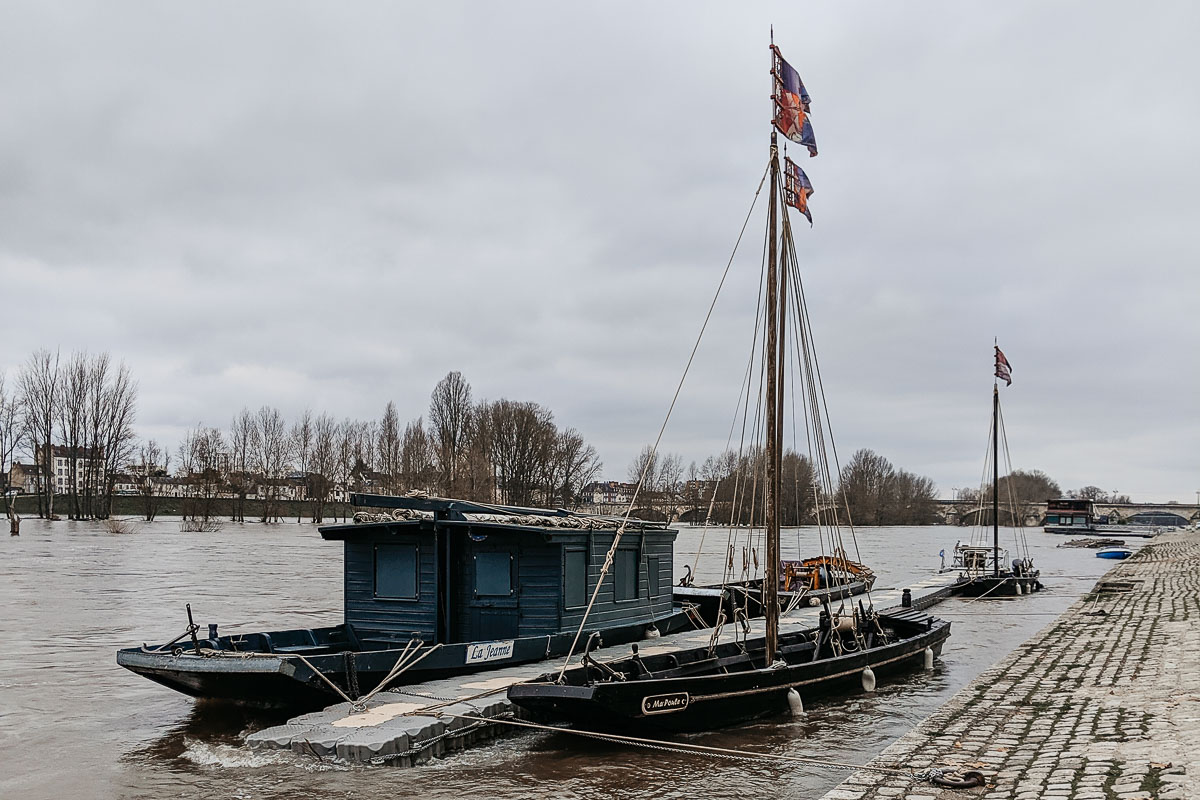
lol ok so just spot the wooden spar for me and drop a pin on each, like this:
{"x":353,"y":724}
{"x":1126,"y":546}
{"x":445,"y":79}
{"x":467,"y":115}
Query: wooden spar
{"x":770,"y":586}
{"x":995,"y":480}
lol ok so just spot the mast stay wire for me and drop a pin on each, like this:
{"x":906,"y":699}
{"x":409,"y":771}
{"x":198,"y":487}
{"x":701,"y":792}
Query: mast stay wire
{"x":816,"y":388}
{"x":612,"y":550}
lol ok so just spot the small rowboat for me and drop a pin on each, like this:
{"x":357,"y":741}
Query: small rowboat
{"x":1114,"y":552}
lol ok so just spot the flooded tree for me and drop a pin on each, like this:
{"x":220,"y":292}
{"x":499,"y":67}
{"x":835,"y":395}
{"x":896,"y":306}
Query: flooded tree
{"x":301,"y":444}
{"x":271,"y":451}
{"x":153,"y":465}
{"x":201,"y":460}
{"x":241,"y":440}
{"x":11,"y":431}
{"x":39,"y":383}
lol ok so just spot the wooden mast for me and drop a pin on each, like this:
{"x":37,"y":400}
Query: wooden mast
{"x":995,"y":480}
{"x":774,"y":370}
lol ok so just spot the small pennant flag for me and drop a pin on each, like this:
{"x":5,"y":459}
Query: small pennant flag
{"x":797,"y":188}
{"x":791,"y":105}
{"x":1003,"y":368}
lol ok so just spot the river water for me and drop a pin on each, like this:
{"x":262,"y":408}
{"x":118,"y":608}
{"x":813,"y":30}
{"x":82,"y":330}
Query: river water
{"x":75,"y":725}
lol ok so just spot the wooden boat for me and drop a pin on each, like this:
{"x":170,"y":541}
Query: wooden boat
{"x":1114,"y":552}
{"x":984,"y":571}
{"x":437,"y":587}
{"x":698,"y":688}
{"x":807,"y":582}
{"x":702,"y":688}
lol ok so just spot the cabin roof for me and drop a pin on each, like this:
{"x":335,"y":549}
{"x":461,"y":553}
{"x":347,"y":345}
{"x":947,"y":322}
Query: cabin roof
{"x":548,"y":533}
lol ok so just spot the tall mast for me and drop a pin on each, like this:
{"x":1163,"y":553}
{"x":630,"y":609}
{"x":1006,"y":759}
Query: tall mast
{"x":774,"y":366}
{"x":995,"y":480}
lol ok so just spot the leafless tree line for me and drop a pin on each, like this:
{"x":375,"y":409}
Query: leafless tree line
{"x":728,"y":489}
{"x":85,"y":407}
{"x":494,"y":452}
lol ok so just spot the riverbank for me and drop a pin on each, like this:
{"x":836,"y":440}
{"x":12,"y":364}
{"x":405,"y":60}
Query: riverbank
{"x":220,"y":508}
{"x":1104,"y":703}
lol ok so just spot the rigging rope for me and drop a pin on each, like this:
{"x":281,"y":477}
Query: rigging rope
{"x":612,"y":550}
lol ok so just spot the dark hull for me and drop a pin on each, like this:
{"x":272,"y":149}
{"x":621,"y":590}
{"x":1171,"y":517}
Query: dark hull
{"x":283,"y":679}
{"x":1106,"y":530}
{"x":717,"y":699}
{"x":1004,"y":585}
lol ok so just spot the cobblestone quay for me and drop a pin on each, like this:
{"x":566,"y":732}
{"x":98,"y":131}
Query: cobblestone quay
{"x":1102,"y":704}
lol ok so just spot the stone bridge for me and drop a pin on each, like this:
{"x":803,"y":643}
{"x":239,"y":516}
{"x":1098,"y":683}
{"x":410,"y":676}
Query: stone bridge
{"x":958,"y":513}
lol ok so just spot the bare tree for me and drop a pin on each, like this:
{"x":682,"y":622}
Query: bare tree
{"x":323,"y":464}
{"x":271,"y":452}
{"x":72,"y":427}
{"x":201,"y":466}
{"x":867,"y":482}
{"x":301,"y":444}
{"x":10,"y":436}
{"x":389,"y":446}
{"x":241,"y":445}
{"x":114,"y":440}
{"x":39,"y":386}
{"x":572,"y":465}
{"x":345,"y":454}
{"x":798,"y":492}
{"x":153,"y":462}
{"x":522,"y":437}
{"x":450,"y":423}
{"x":416,"y":456}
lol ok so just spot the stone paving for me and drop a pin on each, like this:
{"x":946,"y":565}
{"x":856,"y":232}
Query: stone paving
{"x":1104,"y":704}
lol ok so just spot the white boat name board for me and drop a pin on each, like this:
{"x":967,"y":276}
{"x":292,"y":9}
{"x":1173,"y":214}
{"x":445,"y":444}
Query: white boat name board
{"x":664,"y":703}
{"x":489,"y":651}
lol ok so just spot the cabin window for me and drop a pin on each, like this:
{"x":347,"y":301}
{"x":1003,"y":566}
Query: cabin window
{"x":396,"y":571}
{"x":625,"y":575}
{"x":575,"y":577}
{"x":493,"y":574}
{"x":652,"y":569}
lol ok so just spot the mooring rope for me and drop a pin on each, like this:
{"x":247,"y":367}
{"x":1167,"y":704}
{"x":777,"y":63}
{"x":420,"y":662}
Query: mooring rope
{"x":718,"y":752}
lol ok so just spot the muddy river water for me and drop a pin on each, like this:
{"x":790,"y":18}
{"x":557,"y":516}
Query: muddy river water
{"x":75,"y":725}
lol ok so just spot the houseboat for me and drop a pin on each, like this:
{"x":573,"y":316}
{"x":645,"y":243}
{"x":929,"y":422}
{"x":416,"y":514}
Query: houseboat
{"x":437,"y":587}
{"x":1076,"y":515}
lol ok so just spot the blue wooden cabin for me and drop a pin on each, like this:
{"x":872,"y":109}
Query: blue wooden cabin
{"x":463,"y":572}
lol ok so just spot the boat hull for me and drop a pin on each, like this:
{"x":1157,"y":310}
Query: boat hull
{"x":706,"y":702}
{"x":1003,"y":585}
{"x":1114,"y":552}
{"x":290,"y":680}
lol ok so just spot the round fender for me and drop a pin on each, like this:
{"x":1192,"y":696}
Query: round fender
{"x":965,"y":780}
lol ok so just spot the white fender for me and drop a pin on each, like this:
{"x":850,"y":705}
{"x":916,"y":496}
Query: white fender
{"x":795,"y":703}
{"x":868,"y":680}
{"x":928,"y":658}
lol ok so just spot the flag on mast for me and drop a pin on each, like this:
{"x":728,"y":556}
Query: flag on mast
{"x":791,"y":104}
{"x":797,"y":188}
{"x":1003,"y":368}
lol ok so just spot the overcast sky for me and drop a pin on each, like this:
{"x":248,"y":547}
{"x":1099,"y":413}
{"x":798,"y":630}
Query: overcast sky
{"x":330,"y":206}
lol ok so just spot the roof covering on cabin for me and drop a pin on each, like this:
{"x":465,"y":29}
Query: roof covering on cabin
{"x":409,"y":512}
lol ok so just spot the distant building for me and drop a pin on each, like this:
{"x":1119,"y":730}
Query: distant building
{"x":608,"y":492}
{"x":25,"y":478}
{"x":72,"y":469}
